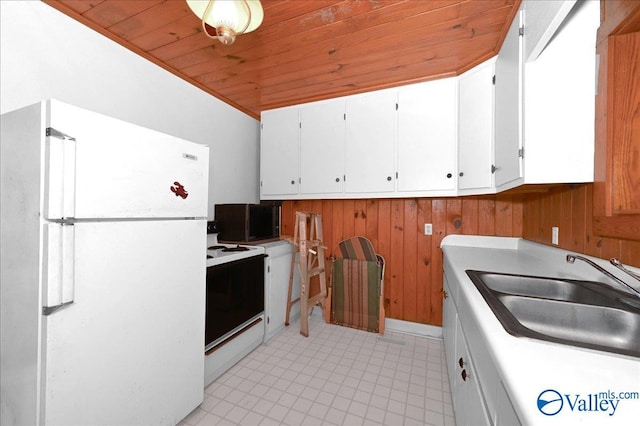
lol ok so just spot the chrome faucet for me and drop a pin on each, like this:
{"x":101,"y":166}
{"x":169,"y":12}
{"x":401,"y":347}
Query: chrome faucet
{"x":571,"y":258}
{"x":615,"y":262}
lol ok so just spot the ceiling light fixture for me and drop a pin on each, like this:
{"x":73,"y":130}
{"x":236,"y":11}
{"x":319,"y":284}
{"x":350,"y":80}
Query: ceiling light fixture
{"x":229,"y":17}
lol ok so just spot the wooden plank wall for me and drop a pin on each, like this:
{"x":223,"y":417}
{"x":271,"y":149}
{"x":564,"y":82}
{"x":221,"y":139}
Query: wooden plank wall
{"x":413,"y":275}
{"x":570,"y":207}
{"x":413,"y":261}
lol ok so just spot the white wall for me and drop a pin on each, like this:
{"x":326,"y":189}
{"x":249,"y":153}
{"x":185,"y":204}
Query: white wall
{"x":45,"y":54}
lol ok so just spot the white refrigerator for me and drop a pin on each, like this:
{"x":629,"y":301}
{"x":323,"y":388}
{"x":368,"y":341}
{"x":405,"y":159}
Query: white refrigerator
{"x":102,"y":292}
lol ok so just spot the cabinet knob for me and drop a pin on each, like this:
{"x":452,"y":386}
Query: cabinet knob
{"x":461,"y":174}
{"x":449,"y":175}
{"x":461,"y":362}
{"x":337,"y":179}
{"x":464,"y":375}
{"x":293,"y":182}
{"x":388,"y":178}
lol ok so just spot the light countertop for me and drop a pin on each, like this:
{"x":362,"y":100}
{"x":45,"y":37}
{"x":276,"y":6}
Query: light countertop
{"x":528,"y":367}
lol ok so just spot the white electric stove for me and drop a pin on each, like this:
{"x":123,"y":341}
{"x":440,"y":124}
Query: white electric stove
{"x":232,"y":334}
{"x":218,"y":253}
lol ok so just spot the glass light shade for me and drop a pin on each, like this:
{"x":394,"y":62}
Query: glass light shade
{"x":228,"y":17}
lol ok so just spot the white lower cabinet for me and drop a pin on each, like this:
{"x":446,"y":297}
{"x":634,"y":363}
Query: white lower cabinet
{"x":276,"y":286}
{"x":505,"y":414}
{"x":449,"y":320}
{"x":468,"y":400}
{"x":479,"y":398}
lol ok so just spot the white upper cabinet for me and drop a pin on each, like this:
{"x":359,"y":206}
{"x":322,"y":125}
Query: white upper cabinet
{"x":508,"y":108}
{"x":279,"y":152}
{"x":543,"y":18}
{"x":559,"y":99}
{"x":504,"y":123}
{"x":475,"y":129}
{"x":348,"y":147}
{"x":371,"y":142}
{"x":554,"y":128}
{"x":322,"y":147}
{"x":427,"y":117}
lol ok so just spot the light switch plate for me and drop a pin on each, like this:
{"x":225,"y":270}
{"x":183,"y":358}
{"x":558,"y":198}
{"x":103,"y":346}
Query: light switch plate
{"x":428,"y":229}
{"x":554,"y":235}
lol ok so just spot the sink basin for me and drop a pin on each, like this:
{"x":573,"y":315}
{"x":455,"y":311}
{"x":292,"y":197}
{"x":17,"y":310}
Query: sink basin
{"x":547,"y":288}
{"x":596,"y":326}
{"x":572,"y":312}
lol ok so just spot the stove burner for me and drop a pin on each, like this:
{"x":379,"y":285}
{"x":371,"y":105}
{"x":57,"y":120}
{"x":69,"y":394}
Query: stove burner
{"x":215,"y":247}
{"x":237,"y":248}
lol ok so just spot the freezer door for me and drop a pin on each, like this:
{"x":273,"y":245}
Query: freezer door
{"x":99,"y":167}
{"x":129,"y":350}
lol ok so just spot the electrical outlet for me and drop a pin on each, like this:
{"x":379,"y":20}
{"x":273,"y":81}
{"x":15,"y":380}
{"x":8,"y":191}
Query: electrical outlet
{"x":428,"y":229}
{"x":554,"y":235}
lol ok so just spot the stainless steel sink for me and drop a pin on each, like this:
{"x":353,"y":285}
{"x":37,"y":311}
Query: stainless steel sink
{"x":547,"y":288}
{"x":588,"y":324}
{"x":572,"y":312}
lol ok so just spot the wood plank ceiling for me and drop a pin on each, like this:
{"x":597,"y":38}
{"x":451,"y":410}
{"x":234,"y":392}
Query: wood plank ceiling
{"x":306,"y":50}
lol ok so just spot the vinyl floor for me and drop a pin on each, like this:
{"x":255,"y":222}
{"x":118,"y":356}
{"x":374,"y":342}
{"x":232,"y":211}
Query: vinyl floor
{"x":336,"y":376}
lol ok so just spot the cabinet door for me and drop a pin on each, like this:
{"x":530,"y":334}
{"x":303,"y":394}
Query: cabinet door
{"x":449,"y":319}
{"x":277,"y":269}
{"x":616,"y":192}
{"x":508,"y":107}
{"x":371,"y":142}
{"x":427,"y":136}
{"x":322,"y":139}
{"x":279,"y":153}
{"x":505,"y":413}
{"x":559,"y":130}
{"x":475,"y":127}
{"x":468,"y":402}
{"x":625,"y":125}
{"x":542,"y":20}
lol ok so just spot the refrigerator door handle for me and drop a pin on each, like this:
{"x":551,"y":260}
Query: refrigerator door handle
{"x":60,"y":175}
{"x":58,"y":266}
{"x":48,"y":310}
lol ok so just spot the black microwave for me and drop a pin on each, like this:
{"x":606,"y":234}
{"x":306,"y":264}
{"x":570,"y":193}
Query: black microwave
{"x":247,"y":223}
